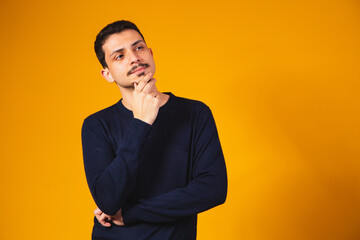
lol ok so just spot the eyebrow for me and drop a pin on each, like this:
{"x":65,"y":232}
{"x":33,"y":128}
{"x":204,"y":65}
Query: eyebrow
{"x":121,"y":49}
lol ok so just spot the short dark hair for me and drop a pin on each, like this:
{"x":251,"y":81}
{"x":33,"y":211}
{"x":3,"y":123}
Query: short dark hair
{"x":115,"y":27}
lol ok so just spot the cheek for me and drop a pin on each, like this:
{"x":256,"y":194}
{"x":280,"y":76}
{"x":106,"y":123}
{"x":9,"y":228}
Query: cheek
{"x":153,"y":65}
{"x":120,"y":70}
{"x":116,"y":74}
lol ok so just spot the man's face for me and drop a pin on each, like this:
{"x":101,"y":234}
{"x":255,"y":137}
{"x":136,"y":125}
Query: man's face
{"x":127,"y":57}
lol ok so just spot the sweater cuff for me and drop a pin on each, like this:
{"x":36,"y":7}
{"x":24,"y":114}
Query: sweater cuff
{"x":130,"y":215}
{"x":137,"y":132}
{"x":138,"y":129}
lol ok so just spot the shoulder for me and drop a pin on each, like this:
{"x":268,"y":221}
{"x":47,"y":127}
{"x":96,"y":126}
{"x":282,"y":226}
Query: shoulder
{"x":195,"y":106}
{"x":104,"y":115}
{"x":194,"y":111}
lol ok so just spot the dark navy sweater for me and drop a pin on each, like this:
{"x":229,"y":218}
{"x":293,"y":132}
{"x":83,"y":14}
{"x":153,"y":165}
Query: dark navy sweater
{"x":160,"y":175}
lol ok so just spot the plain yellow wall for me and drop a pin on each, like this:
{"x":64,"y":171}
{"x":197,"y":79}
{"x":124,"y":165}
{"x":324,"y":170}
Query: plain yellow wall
{"x":281,"y":77}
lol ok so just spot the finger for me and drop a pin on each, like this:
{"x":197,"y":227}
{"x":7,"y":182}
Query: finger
{"x":154,"y":94}
{"x":97,"y":211}
{"x":143,"y":81}
{"x":118,"y":222}
{"x":104,"y":220}
{"x":118,"y":218}
{"x":103,"y":217}
{"x":106,"y":224}
{"x":149,"y":87}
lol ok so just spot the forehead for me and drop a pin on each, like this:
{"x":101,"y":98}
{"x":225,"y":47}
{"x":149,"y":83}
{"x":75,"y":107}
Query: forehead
{"x":120,"y":40}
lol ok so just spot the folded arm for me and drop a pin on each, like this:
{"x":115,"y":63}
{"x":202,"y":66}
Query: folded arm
{"x":111,"y":175}
{"x":207,"y":188}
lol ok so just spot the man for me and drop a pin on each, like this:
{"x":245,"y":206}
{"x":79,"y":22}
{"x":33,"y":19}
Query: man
{"x":153,"y":161}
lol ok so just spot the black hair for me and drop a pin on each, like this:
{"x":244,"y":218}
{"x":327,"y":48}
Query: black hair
{"x":115,"y":27}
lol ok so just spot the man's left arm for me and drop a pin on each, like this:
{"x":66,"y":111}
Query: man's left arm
{"x":207,"y":189}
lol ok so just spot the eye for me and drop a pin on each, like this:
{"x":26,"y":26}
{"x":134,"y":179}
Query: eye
{"x":139,"y":47}
{"x":119,"y":57}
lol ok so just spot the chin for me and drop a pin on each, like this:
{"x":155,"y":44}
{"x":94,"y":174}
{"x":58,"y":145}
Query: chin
{"x":141,"y":74}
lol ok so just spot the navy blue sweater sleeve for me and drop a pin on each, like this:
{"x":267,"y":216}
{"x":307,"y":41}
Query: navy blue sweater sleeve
{"x":207,"y":188}
{"x":111,"y":175}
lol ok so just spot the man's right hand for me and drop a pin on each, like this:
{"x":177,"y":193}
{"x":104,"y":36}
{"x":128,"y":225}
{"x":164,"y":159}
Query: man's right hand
{"x":146,"y":99}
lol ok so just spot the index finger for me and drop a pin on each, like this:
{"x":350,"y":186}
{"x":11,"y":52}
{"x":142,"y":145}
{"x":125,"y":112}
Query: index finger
{"x":141,"y":84}
{"x":149,"y":86}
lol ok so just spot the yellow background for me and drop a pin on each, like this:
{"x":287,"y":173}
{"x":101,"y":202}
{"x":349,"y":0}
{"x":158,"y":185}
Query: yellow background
{"x":281,"y":77}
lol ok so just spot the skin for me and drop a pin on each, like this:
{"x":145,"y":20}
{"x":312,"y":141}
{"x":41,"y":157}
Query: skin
{"x":131,"y":66}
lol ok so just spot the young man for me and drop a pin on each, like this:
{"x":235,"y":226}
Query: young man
{"x":153,"y":161}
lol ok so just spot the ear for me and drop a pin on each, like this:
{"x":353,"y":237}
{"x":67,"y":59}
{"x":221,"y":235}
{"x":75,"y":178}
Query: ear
{"x":151,"y":52}
{"x":107,"y":75}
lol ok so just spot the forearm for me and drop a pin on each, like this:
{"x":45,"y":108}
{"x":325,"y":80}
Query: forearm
{"x":206,"y":191}
{"x":111,"y":171}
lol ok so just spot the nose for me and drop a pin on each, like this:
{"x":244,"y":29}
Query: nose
{"x":134,"y":58}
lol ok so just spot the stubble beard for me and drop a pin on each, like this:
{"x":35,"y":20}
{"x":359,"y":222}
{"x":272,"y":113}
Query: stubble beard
{"x":129,"y":86}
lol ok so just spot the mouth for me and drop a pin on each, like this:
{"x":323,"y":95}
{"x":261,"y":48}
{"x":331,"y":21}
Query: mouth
{"x":138,"y":69}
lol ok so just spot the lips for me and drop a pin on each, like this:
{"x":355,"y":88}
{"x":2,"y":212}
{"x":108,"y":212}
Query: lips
{"x":138,"y":70}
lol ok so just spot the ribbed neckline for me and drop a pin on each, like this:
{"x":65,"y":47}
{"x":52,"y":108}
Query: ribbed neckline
{"x":162,"y":108}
